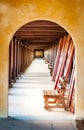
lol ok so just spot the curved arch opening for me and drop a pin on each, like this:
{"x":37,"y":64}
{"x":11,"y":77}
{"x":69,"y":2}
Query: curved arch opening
{"x":45,"y":40}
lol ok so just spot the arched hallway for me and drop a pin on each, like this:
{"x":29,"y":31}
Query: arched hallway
{"x":13,"y":15}
{"x":26,"y":96}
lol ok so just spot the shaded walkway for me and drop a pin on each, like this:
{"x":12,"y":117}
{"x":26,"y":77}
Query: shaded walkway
{"x":26,"y":97}
{"x":14,"y":124}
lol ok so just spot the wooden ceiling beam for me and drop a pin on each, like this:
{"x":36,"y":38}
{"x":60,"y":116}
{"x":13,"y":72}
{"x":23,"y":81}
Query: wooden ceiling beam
{"x":39,"y":47}
{"x":38,"y":39}
{"x":39,"y":43}
{"x":40,"y":34}
{"x":41,"y":27}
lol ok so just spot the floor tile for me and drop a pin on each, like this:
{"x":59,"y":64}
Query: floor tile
{"x":62,"y":125}
{"x":41,"y":125}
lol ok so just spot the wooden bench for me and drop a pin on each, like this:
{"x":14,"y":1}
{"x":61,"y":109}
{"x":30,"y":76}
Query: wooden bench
{"x":56,"y":98}
{"x":50,"y":67}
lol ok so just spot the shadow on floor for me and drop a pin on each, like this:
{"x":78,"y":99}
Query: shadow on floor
{"x":18,"y":124}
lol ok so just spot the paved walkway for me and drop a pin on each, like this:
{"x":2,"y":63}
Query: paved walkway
{"x":26,"y":105}
{"x":14,"y":124}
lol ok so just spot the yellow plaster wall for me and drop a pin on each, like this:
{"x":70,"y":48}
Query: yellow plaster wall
{"x":67,"y":13}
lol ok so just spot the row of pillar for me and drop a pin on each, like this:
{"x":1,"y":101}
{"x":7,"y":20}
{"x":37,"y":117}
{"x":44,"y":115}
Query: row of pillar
{"x":50,"y":53}
{"x":64,"y":66}
{"x":20,"y":56}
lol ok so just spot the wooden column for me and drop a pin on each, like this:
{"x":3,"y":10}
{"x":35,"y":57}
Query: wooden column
{"x":14,"y":62}
{"x":57,"y":58}
{"x":10,"y":62}
{"x":15,"y":56}
{"x":22,"y":58}
{"x":17,"y":59}
{"x":63,"y":58}
{"x":20,"y":48}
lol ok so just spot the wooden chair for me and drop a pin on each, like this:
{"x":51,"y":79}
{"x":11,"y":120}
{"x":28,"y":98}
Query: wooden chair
{"x":50,"y":67}
{"x":56,"y":98}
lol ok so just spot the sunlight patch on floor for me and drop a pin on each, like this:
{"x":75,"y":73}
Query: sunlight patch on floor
{"x":26,"y":96}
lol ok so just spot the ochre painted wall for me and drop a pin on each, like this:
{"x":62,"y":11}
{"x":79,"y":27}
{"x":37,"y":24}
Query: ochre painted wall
{"x":67,"y":13}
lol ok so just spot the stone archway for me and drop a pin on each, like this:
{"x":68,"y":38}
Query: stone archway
{"x":17,"y":66}
{"x":15,"y":15}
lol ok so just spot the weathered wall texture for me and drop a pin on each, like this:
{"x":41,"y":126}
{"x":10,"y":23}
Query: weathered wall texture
{"x":68,"y":14}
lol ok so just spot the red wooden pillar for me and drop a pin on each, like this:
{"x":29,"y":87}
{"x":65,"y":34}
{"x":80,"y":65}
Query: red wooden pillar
{"x":23,"y":58}
{"x":69,"y":61}
{"x":71,"y":89}
{"x":10,"y":62}
{"x":14,"y":62}
{"x":62,"y":60}
{"x":55,"y":48}
{"x":53,"y":51}
{"x":59,"y":51}
{"x":52,"y":55}
{"x":17,"y":59}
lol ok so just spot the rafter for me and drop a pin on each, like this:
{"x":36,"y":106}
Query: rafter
{"x":40,"y":34}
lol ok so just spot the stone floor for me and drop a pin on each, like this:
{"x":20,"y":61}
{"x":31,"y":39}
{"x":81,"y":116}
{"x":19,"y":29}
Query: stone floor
{"x":15,"y":124}
{"x":26,"y":105}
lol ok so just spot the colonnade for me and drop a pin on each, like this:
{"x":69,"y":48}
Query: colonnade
{"x":50,"y":53}
{"x":64,"y":65}
{"x":20,"y":56}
